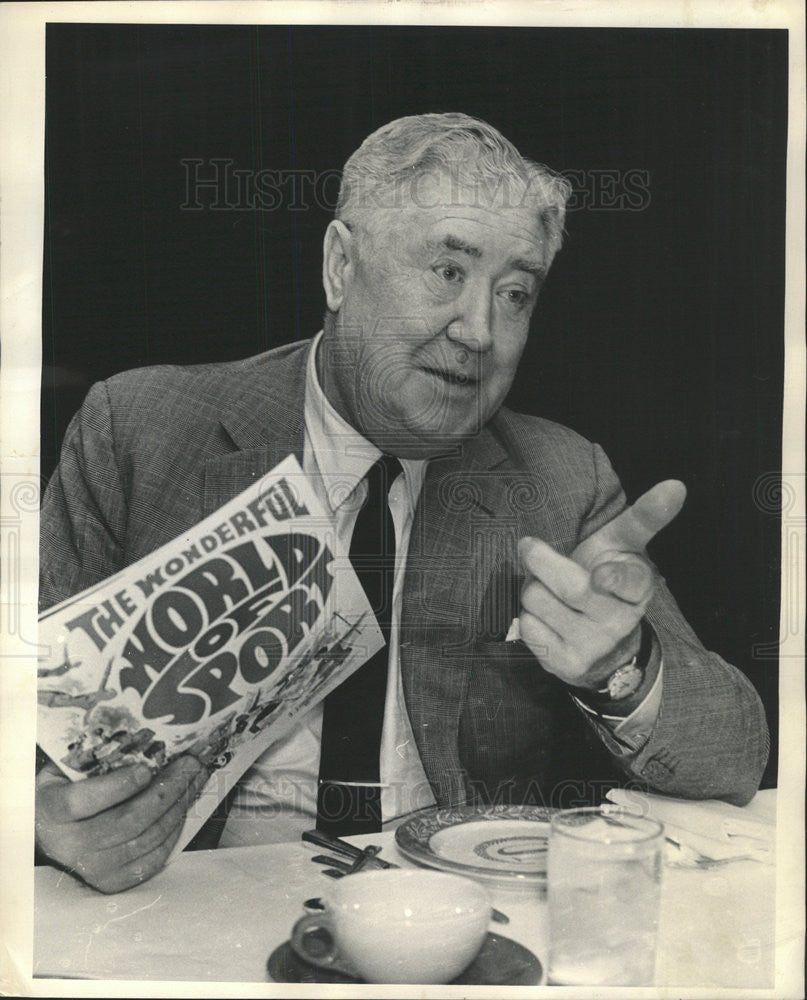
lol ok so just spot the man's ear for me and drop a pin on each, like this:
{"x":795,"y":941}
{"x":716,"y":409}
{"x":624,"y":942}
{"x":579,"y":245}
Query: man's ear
{"x":337,"y":263}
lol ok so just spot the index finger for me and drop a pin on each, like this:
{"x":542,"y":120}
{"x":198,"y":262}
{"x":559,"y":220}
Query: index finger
{"x":75,"y":800}
{"x":635,"y":526}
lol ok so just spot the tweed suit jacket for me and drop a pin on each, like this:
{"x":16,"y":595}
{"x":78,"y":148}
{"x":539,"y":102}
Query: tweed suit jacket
{"x":153,"y":451}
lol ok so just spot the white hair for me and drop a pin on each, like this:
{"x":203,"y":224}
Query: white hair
{"x":473,"y":152}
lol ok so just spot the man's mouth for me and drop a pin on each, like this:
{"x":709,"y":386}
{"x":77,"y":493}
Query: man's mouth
{"x":452,"y":378}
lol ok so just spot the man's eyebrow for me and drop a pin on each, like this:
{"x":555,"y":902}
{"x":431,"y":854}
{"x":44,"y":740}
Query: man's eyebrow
{"x":455,"y":243}
{"x":530,"y":266}
{"x":450,"y":242}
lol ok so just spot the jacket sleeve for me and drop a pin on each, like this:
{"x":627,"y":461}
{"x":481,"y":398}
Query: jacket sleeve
{"x":710,"y":739}
{"x":83,"y":517}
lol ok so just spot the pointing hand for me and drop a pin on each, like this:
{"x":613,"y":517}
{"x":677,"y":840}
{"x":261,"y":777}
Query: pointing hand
{"x":580,"y":615}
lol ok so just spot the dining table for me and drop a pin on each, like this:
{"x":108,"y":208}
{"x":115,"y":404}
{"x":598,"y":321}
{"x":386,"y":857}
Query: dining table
{"x":216,"y":917}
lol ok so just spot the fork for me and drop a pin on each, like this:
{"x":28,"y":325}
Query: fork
{"x":688,"y":857}
{"x":367,"y":857}
{"x":359,"y":862}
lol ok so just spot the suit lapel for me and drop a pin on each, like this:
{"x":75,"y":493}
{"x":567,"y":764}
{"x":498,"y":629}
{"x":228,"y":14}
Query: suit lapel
{"x":265,"y":424}
{"x":453,"y":547}
{"x":465,"y":527}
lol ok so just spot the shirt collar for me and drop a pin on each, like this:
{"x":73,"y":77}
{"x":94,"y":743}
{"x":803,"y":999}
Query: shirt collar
{"x":342,"y":454}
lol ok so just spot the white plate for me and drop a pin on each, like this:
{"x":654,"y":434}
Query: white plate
{"x":505,"y":845}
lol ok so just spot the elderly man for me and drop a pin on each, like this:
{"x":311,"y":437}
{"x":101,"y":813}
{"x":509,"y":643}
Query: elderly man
{"x":531,"y":648}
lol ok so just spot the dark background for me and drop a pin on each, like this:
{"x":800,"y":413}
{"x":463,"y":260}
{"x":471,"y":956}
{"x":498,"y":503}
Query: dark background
{"x":659,"y":332}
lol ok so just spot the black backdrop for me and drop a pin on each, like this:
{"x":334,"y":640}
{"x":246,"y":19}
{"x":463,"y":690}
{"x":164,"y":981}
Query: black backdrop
{"x":659,"y":332}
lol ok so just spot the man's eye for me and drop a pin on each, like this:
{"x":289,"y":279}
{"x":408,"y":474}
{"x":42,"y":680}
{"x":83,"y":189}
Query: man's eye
{"x":449,"y":273}
{"x":515,"y":297}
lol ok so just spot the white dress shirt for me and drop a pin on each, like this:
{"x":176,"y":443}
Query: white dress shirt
{"x":277,"y":797}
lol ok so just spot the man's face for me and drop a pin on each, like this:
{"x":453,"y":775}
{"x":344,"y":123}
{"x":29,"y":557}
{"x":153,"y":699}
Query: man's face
{"x":434,"y":301}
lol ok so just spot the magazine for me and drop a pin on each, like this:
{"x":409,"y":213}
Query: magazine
{"x":213,"y":645}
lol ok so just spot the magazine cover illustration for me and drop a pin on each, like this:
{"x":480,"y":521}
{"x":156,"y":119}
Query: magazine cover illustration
{"x":212,"y":645}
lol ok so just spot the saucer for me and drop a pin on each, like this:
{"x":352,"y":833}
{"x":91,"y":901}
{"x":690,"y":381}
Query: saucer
{"x":501,"y":962}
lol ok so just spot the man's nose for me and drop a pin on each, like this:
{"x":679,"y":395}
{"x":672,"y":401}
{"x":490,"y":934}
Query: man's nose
{"x":473,"y":325}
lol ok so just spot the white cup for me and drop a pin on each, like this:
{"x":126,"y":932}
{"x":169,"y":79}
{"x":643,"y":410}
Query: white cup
{"x":397,"y":926}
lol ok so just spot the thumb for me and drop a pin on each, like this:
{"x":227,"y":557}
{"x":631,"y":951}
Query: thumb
{"x":625,"y":576}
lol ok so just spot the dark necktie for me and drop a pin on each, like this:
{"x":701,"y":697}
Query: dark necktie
{"x":353,"y":714}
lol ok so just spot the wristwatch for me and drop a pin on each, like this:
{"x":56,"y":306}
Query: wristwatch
{"x":627,"y":679}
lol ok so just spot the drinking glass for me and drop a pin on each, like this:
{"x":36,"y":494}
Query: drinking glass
{"x":604,"y":888}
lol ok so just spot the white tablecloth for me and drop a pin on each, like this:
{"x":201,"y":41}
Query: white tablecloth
{"x":217,"y":916}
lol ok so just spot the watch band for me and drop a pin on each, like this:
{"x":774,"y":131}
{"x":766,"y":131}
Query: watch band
{"x":628,"y":677}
